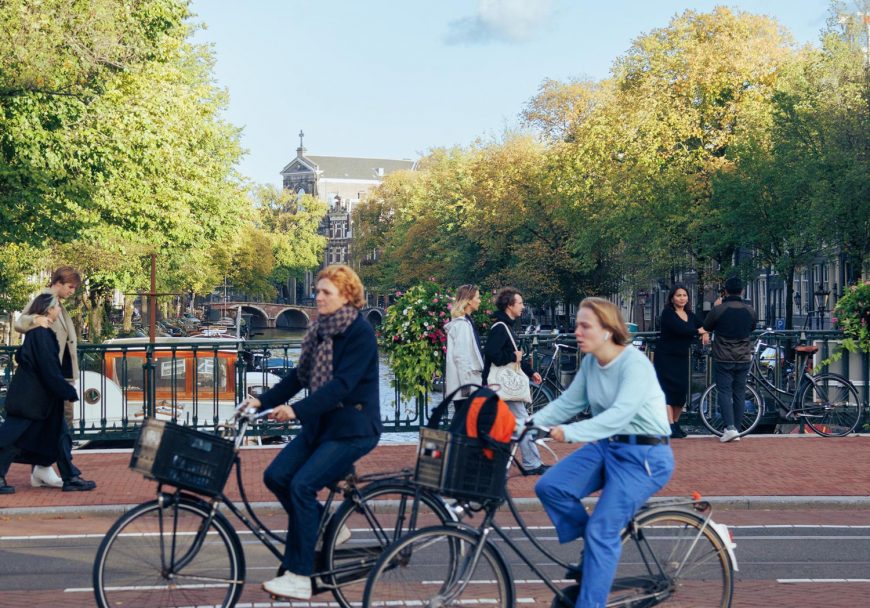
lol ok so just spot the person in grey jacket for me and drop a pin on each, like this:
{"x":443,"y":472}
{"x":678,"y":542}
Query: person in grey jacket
{"x":464,"y":361}
{"x":732,"y":321}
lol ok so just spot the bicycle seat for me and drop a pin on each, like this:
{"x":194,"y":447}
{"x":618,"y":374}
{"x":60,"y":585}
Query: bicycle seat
{"x":806,"y":349}
{"x":333,"y":485}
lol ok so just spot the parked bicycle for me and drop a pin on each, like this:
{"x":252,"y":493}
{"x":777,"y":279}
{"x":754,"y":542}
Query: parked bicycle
{"x":555,"y":377}
{"x":672,"y":551}
{"x":828,"y":403}
{"x":181,"y":549}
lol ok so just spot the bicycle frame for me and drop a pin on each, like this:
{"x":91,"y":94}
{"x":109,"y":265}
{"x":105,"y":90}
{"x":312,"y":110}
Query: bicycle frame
{"x":273,"y":542}
{"x":757,"y":377}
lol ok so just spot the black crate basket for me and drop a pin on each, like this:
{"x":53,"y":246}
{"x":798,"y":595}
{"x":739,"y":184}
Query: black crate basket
{"x":456,"y":465}
{"x":183,"y":457}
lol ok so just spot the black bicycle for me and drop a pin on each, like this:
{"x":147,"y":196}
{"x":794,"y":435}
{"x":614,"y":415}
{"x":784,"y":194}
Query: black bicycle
{"x":828,"y":403}
{"x":180,"y":549}
{"x":556,"y":375}
{"x":672,"y":552}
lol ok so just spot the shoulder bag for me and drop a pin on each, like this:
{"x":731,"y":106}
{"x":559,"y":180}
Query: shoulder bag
{"x":513,"y":384}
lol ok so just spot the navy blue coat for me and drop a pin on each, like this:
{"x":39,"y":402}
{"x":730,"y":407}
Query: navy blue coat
{"x":347,"y":406}
{"x":38,"y":439}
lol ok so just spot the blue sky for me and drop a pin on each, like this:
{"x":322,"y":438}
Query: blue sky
{"x":395,"y":78}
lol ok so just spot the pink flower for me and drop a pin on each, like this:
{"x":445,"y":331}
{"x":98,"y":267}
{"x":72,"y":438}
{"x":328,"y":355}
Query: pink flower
{"x":442,"y":313}
{"x":395,"y":338}
{"x":449,"y":307}
{"x":435,"y":301}
{"x":444,"y":348}
{"x":398,"y":294}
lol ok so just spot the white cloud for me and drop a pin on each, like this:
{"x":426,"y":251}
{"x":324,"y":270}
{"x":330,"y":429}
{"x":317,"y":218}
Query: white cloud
{"x":501,"y":21}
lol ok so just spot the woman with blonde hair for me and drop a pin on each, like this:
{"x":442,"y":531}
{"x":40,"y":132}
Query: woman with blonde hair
{"x":340,"y":418}
{"x":627,"y":453}
{"x":464,"y":364}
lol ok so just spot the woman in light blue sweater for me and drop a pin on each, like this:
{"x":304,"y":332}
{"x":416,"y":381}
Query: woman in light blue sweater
{"x":627,"y":453}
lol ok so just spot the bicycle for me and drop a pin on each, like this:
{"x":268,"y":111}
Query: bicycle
{"x":672,"y":550}
{"x":181,"y":549}
{"x":552,"y":378}
{"x":827,"y":402}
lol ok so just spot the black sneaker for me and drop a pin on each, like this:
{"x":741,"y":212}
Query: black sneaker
{"x":575,"y":573}
{"x":77,"y":484}
{"x":6,"y":489}
{"x":538,"y":470}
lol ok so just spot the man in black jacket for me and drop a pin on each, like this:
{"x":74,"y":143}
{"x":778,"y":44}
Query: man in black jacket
{"x":501,"y":349}
{"x":732,"y":320}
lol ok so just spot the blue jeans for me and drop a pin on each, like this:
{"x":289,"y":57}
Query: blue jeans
{"x":296,"y":475}
{"x":731,"y":386}
{"x":627,"y":476}
{"x":531,"y":457}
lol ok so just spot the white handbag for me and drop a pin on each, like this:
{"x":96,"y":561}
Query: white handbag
{"x":513,"y":384}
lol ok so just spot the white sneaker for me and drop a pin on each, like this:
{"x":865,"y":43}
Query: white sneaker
{"x":45,"y":477}
{"x":729,"y":435}
{"x":290,"y":585}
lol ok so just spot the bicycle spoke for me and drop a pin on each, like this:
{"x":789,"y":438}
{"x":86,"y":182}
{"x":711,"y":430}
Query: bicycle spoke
{"x":675,"y":558}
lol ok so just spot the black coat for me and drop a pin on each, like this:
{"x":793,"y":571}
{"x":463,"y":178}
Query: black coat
{"x":347,"y":406}
{"x":41,"y":387}
{"x":499,"y":348}
{"x":677,"y":335}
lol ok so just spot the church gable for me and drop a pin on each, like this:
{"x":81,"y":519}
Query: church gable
{"x":299,"y":165}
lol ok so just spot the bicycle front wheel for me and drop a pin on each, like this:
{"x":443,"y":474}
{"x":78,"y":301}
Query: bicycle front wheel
{"x":671,"y":555}
{"x":169,"y":555}
{"x":440,"y":566}
{"x":542,"y":394}
{"x":711,"y":415}
{"x":830,"y":405}
{"x":385,"y":512}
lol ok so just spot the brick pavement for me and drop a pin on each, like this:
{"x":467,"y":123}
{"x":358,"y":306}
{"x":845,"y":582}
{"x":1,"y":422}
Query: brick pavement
{"x":791,"y":467}
{"x":777,"y":466}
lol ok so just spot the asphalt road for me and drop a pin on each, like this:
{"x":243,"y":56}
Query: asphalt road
{"x":786,"y":558}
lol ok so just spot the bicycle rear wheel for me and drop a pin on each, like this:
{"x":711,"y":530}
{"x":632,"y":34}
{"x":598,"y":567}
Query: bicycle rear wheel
{"x":385,"y":515}
{"x":830,"y":405}
{"x":154,"y":556}
{"x":711,"y":415}
{"x":672,"y":556}
{"x":440,"y":566}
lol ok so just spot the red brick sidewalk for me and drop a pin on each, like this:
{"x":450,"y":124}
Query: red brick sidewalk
{"x":779,"y":466}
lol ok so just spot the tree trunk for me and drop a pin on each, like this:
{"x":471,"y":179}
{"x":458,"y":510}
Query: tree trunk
{"x":789,"y":298}
{"x":128,"y":313}
{"x":95,"y":317}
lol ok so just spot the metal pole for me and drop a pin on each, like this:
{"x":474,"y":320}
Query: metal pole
{"x":152,"y":302}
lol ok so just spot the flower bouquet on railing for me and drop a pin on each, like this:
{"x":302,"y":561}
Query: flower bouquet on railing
{"x":413,"y":337}
{"x":852,"y":316}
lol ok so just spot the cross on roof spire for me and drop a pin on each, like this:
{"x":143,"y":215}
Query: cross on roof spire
{"x":301,"y":135}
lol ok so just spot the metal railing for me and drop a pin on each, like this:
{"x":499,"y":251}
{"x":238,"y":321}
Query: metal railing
{"x":197,"y":383}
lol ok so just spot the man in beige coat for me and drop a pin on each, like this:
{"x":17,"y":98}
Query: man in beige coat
{"x":64,"y":282}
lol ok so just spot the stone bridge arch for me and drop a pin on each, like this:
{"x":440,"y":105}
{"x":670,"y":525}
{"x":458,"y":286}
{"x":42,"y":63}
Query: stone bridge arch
{"x":259,"y":317}
{"x":292,"y":318}
{"x":373,"y":315}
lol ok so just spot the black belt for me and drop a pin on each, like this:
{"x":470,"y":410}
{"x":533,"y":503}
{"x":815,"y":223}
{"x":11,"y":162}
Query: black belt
{"x":642,"y":439}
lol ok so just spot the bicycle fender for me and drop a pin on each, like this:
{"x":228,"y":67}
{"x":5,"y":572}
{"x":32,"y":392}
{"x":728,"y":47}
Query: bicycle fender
{"x":724,"y":535}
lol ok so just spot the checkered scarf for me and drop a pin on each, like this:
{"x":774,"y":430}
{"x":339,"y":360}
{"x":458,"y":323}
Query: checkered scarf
{"x":315,"y":363}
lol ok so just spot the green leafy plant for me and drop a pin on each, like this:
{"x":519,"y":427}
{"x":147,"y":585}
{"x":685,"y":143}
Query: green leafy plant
{"x":413,"y":336}
{"x":852,"y":316}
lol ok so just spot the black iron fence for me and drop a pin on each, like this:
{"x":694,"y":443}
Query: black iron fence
{"x":198,"y":383}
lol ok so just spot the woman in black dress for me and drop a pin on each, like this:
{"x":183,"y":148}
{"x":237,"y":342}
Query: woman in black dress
{"x":35,"y":424}
{"x":679,"y":328}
